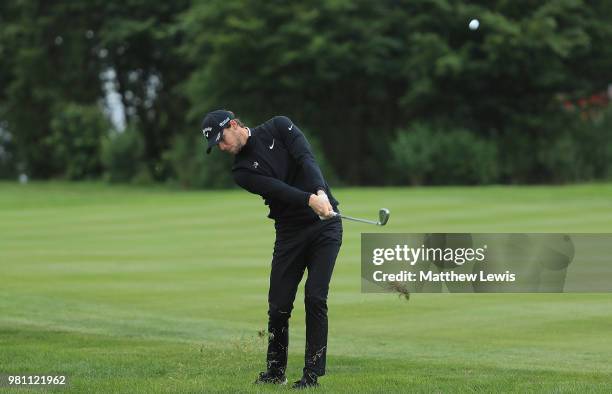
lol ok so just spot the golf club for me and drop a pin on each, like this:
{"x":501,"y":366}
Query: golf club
{"x":383,"y":217}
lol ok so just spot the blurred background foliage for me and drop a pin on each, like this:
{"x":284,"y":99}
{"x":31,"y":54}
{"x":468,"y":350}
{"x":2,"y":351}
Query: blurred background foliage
{"x":389,"y":92}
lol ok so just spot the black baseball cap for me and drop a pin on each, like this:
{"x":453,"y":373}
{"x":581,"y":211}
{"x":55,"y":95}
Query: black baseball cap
{"x":213,"y":124}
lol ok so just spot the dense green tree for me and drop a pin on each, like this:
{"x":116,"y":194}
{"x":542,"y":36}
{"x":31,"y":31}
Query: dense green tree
{"x":139,"y":42}
{"x":58,"y":53}
{"x":75,"y":139}
{"x":47,"y":62}
{"x":123,"y":156}
{"x":331,"y":65}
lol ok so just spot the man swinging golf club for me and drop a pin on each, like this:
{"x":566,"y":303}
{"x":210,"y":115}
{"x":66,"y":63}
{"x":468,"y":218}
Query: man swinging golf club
{"x":275,"y":161}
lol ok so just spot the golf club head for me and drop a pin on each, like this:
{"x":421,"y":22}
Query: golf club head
{"x":383,"y":216}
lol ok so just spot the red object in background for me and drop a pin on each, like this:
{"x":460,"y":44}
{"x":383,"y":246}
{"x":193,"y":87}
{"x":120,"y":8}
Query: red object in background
{"x":600,"y":99}
{"x":593,"y":102}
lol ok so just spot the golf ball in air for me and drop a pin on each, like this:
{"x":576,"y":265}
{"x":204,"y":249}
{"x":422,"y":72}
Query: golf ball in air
{"x":474,"y":24}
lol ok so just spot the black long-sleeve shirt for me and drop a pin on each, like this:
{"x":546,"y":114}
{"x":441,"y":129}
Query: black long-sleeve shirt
{"x":277,"y":163}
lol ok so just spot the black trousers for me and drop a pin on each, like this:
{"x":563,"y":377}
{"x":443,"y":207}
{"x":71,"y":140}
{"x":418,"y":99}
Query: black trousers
{"x":313,"y":248}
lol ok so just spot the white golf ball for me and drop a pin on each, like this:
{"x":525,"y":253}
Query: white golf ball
{"x":474,"y":24}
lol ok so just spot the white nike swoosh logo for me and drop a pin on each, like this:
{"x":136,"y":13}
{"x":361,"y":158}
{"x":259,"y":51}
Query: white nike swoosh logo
{"x":290,"y":127}
{"x":272,"y":146}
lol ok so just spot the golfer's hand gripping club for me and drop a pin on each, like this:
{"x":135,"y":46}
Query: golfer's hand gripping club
{"x":320,"y":204}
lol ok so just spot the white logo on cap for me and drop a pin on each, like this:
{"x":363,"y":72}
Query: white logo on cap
{"x":255,"y":164}
{"x":206,"y":130}
{"x":224,"y":122}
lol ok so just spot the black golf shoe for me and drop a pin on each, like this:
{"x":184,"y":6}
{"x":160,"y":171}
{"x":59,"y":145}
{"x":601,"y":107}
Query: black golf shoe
{"x":308,"y":380}
{"x":270,"y":377}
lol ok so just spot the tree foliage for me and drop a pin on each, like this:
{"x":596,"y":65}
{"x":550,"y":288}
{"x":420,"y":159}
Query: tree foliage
{"x":360,"y":75}
{"x":356,"y":71}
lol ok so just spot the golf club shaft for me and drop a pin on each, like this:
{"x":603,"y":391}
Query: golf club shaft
{"x":355,"y":219}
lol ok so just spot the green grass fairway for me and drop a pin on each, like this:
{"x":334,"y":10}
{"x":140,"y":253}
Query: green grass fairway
{"x":140,"y":290}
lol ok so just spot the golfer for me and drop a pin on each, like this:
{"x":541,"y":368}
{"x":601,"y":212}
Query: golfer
{"x":275,"y":161}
